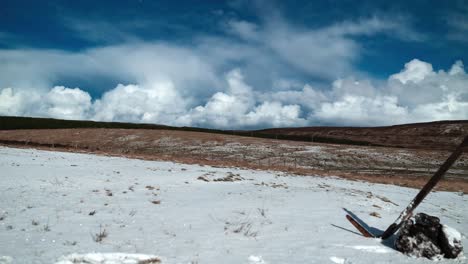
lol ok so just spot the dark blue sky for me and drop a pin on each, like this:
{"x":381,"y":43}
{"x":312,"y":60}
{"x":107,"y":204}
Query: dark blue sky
{"x":43,"y":24}
{"x":193,"y":45}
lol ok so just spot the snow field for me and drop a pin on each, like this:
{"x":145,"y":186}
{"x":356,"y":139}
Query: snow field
{"x":59,"y":207}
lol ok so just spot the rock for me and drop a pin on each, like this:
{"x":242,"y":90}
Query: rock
{"x":426,"y":237}
{"x":428,"y":225}
{"x":450,"y":242}
{"x":426,"y":220}
{"x":413,"y":242}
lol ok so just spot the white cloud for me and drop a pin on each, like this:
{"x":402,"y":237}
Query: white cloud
{"x":315,"y":53}
{"x":450,"y":107}
{"x":328,"y":52}
{"x":363,"y":111}
{"x":157,"y":102}
{"x":416,"y":94}
{"x":275,"y":114}
{"x":308,"y":97}
{"x":457,"y":68}
{"x":134,"y":63}
{"x":412,"y":96}
{"x":225,"y":109}
{"x":395,"y":26}
{"x":265,"y":51}
{"x":414,"y":71}
{"x":351,"y":86}
{"x":237,"y":108}
{"x":12,"y":103}
{"x":419,"y":84}
{"x":59,"y":102}
{"x":62,"y":102}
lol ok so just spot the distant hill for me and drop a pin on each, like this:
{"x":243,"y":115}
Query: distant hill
{"x":16,"y":122}
{"x":13,"y":122}
{"x":431,"y":135}
{"x":443,"y":135}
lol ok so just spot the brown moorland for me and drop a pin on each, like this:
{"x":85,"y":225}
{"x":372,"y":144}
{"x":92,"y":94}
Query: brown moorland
{"x":405,"y":165}
{"x":443,"y":135}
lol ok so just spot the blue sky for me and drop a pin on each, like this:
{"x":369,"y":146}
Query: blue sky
{"x":235,"y":64}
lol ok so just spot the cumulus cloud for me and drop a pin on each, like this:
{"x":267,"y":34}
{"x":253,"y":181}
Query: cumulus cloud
{"x":62,"y":102}
{"x":457,"y":68}
{"x":226,"y":108}
{"x":275,"y":114}
{"x":414,"y":71}
{"x":12,"y":103}
{"x":238,"y":107}
{"x":151,"y":103}
{"x":416,"y":94}
{"x":308,"y":97}
{"x":363,"y":111}
{"x":59,"y":102}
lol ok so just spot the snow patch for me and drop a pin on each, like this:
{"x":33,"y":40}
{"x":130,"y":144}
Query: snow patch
{"x":338,"y":260}
{"x":452,"y":235}
{"x":256,"y":259}
{"x":108,"y":258}
{"x":372,"y":249}
{"x":312,"y":149}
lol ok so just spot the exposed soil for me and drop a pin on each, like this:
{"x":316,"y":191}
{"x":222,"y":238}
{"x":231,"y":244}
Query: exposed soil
{"x":401,"y":166}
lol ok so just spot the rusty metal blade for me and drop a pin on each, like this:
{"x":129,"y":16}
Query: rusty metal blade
{"x":359,"y":227}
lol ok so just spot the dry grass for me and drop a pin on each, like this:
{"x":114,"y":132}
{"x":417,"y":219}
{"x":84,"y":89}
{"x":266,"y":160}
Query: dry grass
{"x":99,"y":237}
{"x":399,"y":166}
{"x":150,"y":261}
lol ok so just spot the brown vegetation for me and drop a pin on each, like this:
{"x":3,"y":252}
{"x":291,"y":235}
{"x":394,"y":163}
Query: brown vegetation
{"x":433,"y":135}
{"x":401,"y":166}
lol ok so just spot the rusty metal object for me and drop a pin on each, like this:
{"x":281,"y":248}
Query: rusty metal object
{"x":359,"y":227}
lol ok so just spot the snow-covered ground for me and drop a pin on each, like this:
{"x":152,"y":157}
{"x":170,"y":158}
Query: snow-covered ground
{"x":54,"y":206}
